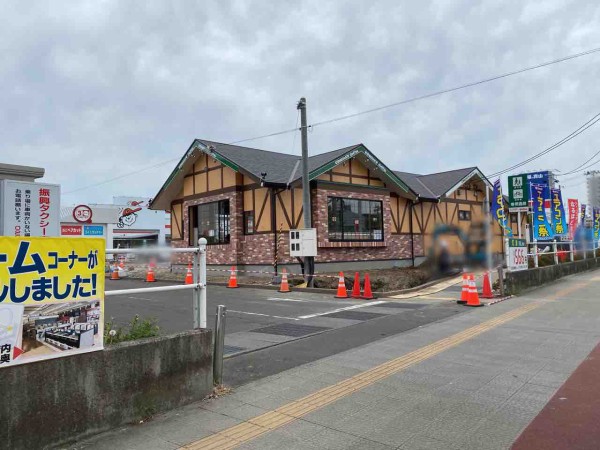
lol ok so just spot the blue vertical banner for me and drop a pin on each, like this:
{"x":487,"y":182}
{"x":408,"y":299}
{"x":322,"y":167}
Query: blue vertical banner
{"x":498,"y":211}
{"x":559,"y":220}
{"x":583,"y":214}
{"x":541,"y":228}
{"x":596,"y":217}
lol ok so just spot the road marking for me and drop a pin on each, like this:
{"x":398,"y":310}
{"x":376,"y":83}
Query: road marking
{"x":255,"y":427}
{"x":263,"y":315}
{"x":275,"y":299}
{"x":141,"y":298}
{"x":363,"y":305}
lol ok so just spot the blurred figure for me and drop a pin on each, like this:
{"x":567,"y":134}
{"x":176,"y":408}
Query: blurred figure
{"x":444,"y":258}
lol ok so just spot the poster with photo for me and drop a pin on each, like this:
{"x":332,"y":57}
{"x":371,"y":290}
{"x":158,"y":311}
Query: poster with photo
{"x":51,"y":298}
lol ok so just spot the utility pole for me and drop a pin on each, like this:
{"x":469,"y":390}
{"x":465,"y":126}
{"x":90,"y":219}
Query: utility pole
{"x":309,"y":261}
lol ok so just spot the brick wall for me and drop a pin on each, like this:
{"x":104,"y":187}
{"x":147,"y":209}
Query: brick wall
{"x":215,"y":254}
{"x":393,"y":246}
{"x":260,"y":248}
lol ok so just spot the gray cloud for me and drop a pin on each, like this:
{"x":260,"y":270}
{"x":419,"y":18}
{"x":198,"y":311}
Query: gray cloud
{"x":93,"y":89}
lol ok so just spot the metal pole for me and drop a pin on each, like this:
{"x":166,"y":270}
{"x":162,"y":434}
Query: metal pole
{"x":519,"y":224}
{"x":488,"y":229}
{"x":535,"y":254}
{"x":572,"y":251}
{"x":309,"y":261}
{"x":203,"y":281}
{"x":501,"y":280}
{"x":555,"y":250}
{"x":219,"y":345}
{"x":196,"y":292}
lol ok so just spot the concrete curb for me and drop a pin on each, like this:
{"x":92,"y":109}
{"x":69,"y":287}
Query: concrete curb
{"x":377,"y":294}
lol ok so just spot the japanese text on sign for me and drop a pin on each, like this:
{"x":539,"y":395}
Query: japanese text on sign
{"x":51,"y":297}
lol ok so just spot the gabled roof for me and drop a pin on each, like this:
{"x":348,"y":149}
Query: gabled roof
{"x":273,"y":168}
{"x":437,"y":185}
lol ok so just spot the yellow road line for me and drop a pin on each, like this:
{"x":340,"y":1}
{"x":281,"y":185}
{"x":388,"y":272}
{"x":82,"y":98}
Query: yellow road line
{"x":253,"y":428}
{"x":244,"y":432}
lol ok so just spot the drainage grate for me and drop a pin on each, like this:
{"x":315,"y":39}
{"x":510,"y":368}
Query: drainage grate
{"x":229,"y":349}
{"x":290,"y":329}
{"x":400,"y":305}
{"x":354,"y":315}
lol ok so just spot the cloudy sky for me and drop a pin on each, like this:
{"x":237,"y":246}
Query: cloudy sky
{"x":95,"y":90}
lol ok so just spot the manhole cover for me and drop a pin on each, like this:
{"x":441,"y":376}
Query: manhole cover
{"x":400,"y":305}
{"x":229,"y":349}
{"x":290,"y":329}
{"x":354,"y":315}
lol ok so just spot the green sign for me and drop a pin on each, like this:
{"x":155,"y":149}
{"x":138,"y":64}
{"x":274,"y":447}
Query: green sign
{"x":514,"y":242}
{"x":518,"y":193}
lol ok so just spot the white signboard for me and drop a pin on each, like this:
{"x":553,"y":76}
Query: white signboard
{"x":29,"y":209}
{"x":303,"y":242}
{"x":517,"y":255}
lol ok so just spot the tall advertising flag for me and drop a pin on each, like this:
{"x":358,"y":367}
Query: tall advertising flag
{"x":583,"y":208}
{"x":573,"y":205}
{"x":559,"y":220}
{"x":541,"y":228}
{"x":596,"y":216}
{"x":498,"y":208}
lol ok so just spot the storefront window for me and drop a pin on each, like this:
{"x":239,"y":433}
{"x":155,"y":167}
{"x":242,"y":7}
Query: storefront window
{"x":210,"y":221}
{"x":355,"y":220}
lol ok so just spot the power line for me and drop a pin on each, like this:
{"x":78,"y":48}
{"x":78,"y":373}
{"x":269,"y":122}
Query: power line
{"x":125,"y":175}
{"x":464,"y":86}
{"x":581,"y":165}
{"x":554,"y":146}
{"x":359,"y":113}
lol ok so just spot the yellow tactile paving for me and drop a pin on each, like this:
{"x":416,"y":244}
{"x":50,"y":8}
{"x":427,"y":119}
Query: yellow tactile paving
{"x":439,"y":287}
{"x":253,"y":428}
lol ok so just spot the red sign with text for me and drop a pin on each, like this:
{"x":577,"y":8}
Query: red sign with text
{"x":70,"y":230}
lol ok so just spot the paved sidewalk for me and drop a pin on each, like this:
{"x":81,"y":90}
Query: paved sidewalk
{"x":473,"y":381}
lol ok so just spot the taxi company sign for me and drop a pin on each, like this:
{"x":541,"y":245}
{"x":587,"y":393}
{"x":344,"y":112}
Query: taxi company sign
{"x":29,"y":209}
{"x":517,"y":255}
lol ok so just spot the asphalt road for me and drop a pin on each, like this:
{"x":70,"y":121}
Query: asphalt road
{"x":247,"y":308}
{"x":308,"y":326}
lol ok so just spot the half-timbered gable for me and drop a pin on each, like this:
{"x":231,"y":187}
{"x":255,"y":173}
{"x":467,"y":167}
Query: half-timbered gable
{"x":244,"y":201}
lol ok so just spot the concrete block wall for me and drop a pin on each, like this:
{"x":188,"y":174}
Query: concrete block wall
{"x":518,"y":282}
{"x":51,"y":403}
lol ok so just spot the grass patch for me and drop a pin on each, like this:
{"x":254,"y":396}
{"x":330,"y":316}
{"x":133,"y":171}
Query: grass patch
{"x":136,"y":329}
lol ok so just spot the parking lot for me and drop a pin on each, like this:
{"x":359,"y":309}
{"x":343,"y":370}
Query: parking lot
{"x":256,"y":318}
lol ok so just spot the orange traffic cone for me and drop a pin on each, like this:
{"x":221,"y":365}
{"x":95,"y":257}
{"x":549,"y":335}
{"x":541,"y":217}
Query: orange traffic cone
{"x":150,"y":275}
{"x":356,"y":287}
{"x":473,"y":295}
{"x":367,"y":293}
{"x":115,"y":273}
{"x":232,"y":279}
{"x":122,"y":263}
{"x":464,"y":295}
{"x":341,"y":289}
{"x":189,"y":276}
{"x":285,"y":287}
{"x":487,"y":286}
